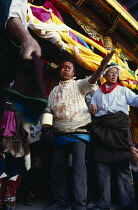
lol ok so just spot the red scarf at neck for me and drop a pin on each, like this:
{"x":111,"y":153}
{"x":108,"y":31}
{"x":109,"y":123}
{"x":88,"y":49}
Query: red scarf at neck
{"x":103,"y":88}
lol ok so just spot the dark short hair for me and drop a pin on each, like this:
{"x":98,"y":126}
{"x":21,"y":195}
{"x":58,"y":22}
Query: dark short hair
{"x":67,"y":60}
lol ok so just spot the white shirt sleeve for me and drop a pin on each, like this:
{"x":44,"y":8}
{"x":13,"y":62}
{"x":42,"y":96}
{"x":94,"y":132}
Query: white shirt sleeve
{"x":18,"y":9}
{"x":84,"y":85}
{"x":132,"y":98}
{"x":93,"y":99}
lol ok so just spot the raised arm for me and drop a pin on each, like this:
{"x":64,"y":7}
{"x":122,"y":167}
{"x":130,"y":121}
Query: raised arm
{"x":96,"y":75}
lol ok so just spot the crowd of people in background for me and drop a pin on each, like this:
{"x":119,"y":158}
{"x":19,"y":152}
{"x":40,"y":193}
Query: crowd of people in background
{"x":89,"y":146}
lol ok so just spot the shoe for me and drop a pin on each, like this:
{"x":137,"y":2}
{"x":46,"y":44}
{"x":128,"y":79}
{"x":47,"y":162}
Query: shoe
{"x":99,"y":208}
{"x":90,"y":206}
{"x":29,"y":201}
{"x":78,"y":207}
{"x":56,"y":206}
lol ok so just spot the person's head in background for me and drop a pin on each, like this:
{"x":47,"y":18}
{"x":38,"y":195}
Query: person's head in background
{"x":111,"y":74}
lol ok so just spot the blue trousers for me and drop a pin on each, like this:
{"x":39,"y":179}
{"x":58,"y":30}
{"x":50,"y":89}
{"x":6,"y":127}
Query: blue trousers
{"x":123,"y":178}
{"x":60,"y":173}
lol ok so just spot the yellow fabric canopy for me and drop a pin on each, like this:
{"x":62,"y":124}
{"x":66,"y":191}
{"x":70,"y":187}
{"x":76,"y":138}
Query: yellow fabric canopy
{"x":83,"y":56}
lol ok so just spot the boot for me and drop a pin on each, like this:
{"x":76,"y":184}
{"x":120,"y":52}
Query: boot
{"x":10,"y":193}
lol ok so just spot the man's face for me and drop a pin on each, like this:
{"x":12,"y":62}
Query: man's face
{"x":111,"y":76}
{"x":67,"y":71}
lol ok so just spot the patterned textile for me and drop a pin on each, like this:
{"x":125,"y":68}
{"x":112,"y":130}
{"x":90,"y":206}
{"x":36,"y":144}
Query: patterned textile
{"x":10,"y":191}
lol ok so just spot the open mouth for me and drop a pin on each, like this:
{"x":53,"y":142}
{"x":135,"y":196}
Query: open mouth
{"x":66,"y":73}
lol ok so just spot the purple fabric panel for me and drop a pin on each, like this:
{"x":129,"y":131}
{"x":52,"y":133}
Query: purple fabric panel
{"x":74,"y":37}
{"x":8,"y":124}
{"x":43,"y":15}
{"x":49,"y":5}
{"x":29,"y":80}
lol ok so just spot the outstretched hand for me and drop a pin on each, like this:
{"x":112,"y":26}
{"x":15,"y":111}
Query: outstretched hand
{"x":96,"y":75}
{"x":107,"y":58}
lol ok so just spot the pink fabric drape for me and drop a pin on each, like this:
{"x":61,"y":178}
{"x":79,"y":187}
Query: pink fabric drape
{"x":43,"y":15}
{"x":8,"y":124}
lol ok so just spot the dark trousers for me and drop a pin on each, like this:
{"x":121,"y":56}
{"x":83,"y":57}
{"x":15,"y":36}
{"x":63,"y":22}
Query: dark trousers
{"x":135,"y":178}
{"x":60,"y":173}
{"x":123,"y":181}
{"x":10,"y":165}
